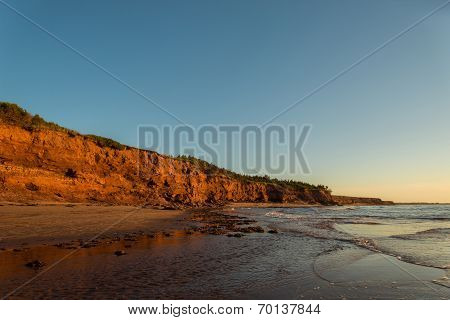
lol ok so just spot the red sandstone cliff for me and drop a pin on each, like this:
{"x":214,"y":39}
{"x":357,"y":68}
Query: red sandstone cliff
{"x":41,"y":161}
{"x":44,"y":164}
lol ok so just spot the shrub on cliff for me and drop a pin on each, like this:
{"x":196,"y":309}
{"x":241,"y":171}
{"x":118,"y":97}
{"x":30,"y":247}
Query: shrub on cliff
{"x":106,"y":142}
{"x":202,"y":165}
{"x":70,"y":173}
{"x":13,"y":114}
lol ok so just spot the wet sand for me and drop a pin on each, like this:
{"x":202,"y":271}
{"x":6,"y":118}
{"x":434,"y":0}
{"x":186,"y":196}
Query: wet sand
{"x":196,"y":254}
{"x":27,"y":225}
{"x":356,"y":266}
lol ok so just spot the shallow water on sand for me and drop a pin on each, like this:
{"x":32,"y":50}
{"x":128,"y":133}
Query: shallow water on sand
{"x":317,"y":253}
{"x":419,"y":234}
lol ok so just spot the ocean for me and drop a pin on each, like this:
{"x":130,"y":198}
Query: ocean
{"x":418,"y":234}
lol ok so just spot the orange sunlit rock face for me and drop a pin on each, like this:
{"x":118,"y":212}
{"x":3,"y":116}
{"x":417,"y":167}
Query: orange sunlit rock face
{"x":48,"y":165}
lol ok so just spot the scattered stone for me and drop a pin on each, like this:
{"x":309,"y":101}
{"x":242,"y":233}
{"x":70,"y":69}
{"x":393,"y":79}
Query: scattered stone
{"x":215,"y":230}
{"x":272,"y":231}
{"x":219,"y":223}
{"x":61,"y":245}
{"x":31,"y":186}
{"x":257,"y":229}
{"x":35,"y":264}
{"x":120,"y":253}
{"x":167,"y":234}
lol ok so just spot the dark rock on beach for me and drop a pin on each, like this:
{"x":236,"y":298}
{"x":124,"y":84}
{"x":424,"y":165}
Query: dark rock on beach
{"x":252,"y":229}
{"x":236,"y":235}
{"x":35,"y":264}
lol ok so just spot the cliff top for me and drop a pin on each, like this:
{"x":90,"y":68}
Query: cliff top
{"x":13,"y":114}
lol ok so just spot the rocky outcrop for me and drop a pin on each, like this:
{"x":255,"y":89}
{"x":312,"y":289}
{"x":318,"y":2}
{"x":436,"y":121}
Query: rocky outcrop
{"x":344,"y":200}
{"x":52,"y":165}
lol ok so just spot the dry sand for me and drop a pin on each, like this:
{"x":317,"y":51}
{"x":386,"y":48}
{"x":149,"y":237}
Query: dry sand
{"x":48,"y":223}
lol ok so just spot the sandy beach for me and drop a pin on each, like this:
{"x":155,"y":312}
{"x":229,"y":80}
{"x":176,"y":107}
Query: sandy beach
{"x":23,"y":225}
{"x":76,"y":251}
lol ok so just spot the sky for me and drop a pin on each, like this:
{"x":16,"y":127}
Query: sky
{"x":380,"y":130}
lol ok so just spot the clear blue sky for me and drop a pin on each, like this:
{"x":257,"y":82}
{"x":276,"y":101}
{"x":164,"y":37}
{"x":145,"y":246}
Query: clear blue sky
{"x":380,"y":130}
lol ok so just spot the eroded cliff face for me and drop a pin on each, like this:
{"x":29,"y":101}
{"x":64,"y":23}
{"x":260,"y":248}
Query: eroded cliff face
{"x":48,"y":165}
{"x":344,"y":200}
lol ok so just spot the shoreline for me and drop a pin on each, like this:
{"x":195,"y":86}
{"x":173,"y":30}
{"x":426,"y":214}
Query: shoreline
{"x":217,"y":206}
{"x":224,"y":205}
{"x":42,"y":229}
{"x":43,"y":235}
{"x":71,"y":224}
{"x":24,"y":224}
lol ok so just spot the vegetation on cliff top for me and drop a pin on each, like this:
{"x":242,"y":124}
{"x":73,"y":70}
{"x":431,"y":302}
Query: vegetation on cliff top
{"x":211,"y":169}
{"x":13,"y":114}
{"x":106,"y":142}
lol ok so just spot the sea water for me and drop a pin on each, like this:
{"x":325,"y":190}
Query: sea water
{"x":418,"y":234}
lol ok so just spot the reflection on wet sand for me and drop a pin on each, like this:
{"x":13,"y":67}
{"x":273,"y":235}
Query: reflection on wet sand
{"x":387,"y":228}
{"x":189,"y":256}
{"x":352,"y":266}
{"x":15,"y":260}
